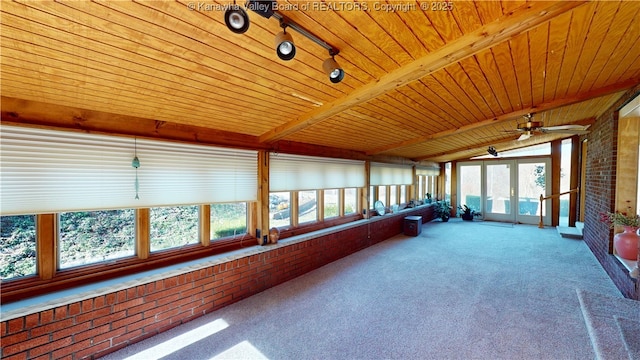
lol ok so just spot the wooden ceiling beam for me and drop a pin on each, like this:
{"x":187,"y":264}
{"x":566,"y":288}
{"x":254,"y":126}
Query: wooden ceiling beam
{"x":518,"y":21}
{"x":34,"y":113}
{"x":607,"y":90}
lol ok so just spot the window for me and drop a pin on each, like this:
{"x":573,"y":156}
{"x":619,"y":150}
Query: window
{"x":393,"y":195}
{"x":87,"y":237}
{"x":279,"y":212}
{"x":382,"y":195}
{"x":307,"y":206}
{"x":403,"y":194}
{"x":71,"y":178}
{"x":294,"y":182}
{"x":17,"y":246}
{"x":173,"y":227}
{"x":228,"y":220}
{"x":372,"y":195}
{"x":350,"y":201}
{"x":331,"y":203}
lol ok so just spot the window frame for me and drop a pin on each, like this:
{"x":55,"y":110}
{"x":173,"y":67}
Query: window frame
{"x":49,"y":278}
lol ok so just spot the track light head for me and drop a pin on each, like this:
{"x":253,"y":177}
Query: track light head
{"x":236,"y":19}
{"x":285,"y":48}
{"x":491,"y":150}
{"x":333,"y":70}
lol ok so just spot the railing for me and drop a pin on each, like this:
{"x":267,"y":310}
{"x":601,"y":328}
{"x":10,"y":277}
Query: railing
{"x":540,"y":224}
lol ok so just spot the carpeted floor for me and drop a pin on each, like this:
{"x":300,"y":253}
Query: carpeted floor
{"x":461,"y":290}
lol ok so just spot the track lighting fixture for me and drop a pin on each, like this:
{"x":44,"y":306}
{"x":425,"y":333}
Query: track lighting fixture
{"x":236,"y":19}
{"x":491,"y":150}
{"x":285,"y":48}
{"x":333,"y":70}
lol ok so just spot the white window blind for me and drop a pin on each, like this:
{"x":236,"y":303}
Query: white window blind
{"x":295,"y":172}
{"x":428,"y":171}
{"x":46,"y":171}
{"x":391,"y":174}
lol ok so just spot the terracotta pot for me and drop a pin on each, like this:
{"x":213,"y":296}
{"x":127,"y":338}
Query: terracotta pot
{"x":626,"y":243}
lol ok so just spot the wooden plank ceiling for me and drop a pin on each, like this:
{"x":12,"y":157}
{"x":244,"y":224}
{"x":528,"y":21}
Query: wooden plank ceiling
{"x":422,"y":83}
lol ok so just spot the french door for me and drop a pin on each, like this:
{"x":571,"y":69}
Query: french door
{"x":506,"y":190}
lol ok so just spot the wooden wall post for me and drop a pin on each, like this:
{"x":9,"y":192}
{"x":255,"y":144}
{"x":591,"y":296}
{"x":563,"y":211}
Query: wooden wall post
{"x":262,"y":222}
{"x":143,"y":228}
{"x":46,"y":245}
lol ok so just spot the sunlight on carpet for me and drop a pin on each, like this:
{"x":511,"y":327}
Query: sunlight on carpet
{"x":243,"y":350}
{"x":181,"y":341}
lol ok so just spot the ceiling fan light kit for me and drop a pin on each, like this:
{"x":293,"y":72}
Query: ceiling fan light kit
{"x":237,"y":20}
{"x":530,"y":127}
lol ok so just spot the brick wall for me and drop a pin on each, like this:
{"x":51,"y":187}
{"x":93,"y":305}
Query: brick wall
{"x":103,"y":324}
{"x":600,"y":195}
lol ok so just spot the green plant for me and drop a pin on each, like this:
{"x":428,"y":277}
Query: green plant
{"x":428,"y":198}
{"x":467,"y":213}
{"x":620,"y":218}
{"x":442,"y":210}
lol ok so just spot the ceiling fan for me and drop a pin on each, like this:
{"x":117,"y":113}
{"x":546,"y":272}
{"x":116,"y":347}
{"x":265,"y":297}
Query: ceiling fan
{"x":530,"y":127}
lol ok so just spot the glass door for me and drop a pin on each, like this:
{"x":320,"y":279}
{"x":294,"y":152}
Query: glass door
{"x":500,"y":191}
{"x":533,"y":181}
{"x":506,"y":190}
{"x":470,"y":185}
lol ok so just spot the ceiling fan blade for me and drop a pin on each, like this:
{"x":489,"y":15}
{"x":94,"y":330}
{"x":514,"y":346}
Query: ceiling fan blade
{"x":564,"y":131}
{"x":565,"y":127}
{"x":525,"y":136}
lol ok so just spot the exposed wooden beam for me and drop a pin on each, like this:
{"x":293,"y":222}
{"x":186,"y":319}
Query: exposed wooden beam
{"x":516,"y":22}
{"x":40,"y":114}
{"x":607,"y":90}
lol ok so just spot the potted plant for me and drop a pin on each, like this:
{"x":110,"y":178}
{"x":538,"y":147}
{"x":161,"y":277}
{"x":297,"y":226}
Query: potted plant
{"x":442,"y":210}
{"x":428,"y":198}
{"x":467,"y":213}
{"x":626,"y":242}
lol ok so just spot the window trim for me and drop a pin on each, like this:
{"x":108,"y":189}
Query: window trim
{"x":49,"y":278}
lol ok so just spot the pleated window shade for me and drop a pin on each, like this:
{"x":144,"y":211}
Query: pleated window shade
{"x":428,"y":171}
{"x":45,"y":171}
{"x":295,"y":172}
{"x":391,"y":174}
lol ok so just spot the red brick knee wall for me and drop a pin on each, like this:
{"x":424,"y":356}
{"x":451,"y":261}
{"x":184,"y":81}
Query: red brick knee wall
{"x":105,"y":323}
{"x":600,"y":196}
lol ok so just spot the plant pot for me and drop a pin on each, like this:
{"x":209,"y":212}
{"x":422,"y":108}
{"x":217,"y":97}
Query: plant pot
{"x":626,"y":243}
{"x":444,"y":218}
{"x":466,"y":217}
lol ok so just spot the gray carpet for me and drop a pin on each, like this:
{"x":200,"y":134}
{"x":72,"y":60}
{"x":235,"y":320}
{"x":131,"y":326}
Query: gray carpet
{"x":461,"y":290}
{"x":613,"y":324}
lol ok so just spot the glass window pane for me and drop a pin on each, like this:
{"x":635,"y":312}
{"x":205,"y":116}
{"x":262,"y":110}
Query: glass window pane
{"x":447,"y":181}
{"x":531,"y":184}
{"x":403,"y":194}
{"x":393,"y":195}
{"x":382,"y":194}
{"x":331,"y":208}
{"x":498,"y":189}
{"x":307,"y":209}
{"x":350,"y":201}
{"x":565,"y":181}
{"x":279,"y":214}
{"x":17,"y":246}
{"x":372,"y":200}
{"x":470,"y":186}
{"x":173,"y":227}
{"x":88,"y":237}
{"x":228,"y":219}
